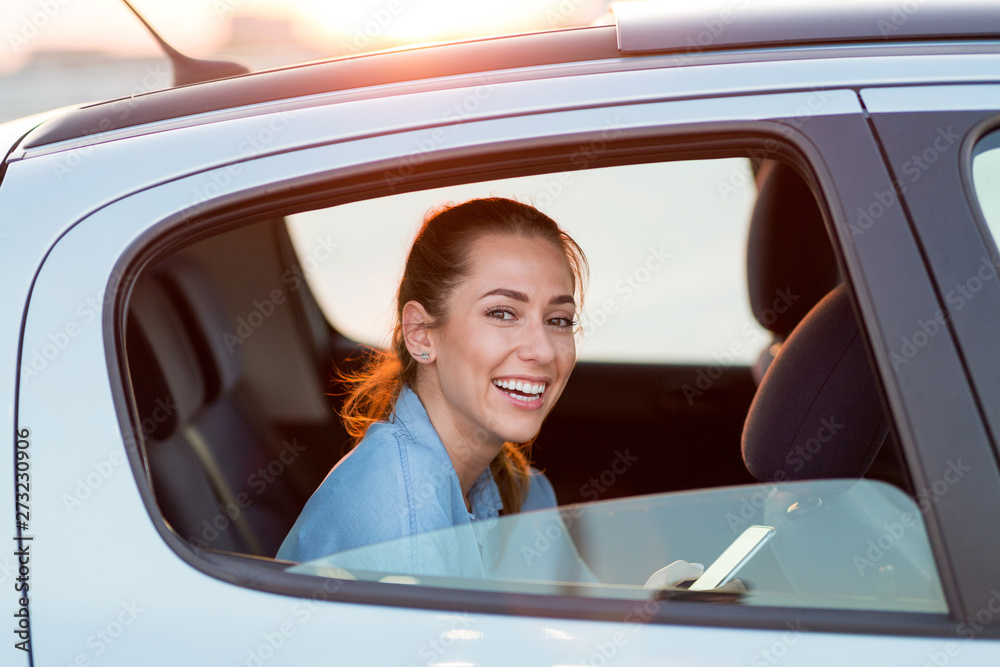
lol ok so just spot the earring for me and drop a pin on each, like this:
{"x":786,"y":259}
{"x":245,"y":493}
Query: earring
{"x":425,"y":356}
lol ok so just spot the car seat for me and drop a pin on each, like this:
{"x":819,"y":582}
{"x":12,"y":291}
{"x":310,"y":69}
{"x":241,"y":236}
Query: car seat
{"x":817,"y":415}
{"x":790,"y":261}
{"x":206,"y":455}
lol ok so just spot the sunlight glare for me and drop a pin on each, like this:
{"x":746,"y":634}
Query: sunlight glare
{"x":380,"y":23}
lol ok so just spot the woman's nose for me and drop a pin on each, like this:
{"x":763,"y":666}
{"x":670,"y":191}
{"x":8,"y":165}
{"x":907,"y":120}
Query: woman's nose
{"x":536,"y":344}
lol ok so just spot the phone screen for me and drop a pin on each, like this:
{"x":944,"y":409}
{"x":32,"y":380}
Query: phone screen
{"x":733,"y":558}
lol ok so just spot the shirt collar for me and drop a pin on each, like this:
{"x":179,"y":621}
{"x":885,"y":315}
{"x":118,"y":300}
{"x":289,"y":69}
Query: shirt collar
{"x":410,"y":413}
{"x":484,"y":496}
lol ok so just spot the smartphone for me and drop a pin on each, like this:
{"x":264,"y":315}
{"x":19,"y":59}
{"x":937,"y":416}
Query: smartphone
{"x":733,"y":558}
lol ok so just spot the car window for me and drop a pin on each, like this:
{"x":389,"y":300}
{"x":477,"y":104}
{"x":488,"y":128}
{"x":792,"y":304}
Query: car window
{"x":248,"y":339}
{"x":836,"y":544}
{"x":986,"y":180}
{"x":650,"y":231}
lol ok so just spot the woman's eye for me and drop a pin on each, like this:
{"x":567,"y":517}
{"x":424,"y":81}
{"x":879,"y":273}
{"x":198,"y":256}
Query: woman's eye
{"x":500,"y":314}
{"x":562,"y":322}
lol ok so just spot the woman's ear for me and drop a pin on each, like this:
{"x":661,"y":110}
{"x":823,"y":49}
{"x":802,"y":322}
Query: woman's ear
{"x":416,"y":331}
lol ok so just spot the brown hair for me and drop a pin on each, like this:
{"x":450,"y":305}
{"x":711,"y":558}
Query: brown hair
{"x":438,"y":261}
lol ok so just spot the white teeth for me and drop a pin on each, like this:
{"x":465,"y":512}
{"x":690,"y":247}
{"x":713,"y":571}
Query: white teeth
{"x":524,"y":387}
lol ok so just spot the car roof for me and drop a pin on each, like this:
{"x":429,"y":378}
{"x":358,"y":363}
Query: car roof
{"x":644,"y":28}
{"x":650,"y":27}
{"x":469,"y":57}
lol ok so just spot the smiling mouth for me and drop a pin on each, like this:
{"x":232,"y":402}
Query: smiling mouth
{"x":520,"y":390}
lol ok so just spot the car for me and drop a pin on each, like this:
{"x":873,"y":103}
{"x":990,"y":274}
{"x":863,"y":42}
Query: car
{"x":790,"y":213}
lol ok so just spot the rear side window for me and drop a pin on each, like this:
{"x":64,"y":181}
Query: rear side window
{"x":986,"y":180}
{"x":247,"y":332}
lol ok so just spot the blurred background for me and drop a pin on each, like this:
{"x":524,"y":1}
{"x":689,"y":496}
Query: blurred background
{"x":57,"y":53}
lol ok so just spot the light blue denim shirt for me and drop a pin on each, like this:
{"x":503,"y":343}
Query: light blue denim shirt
{"x":397,"y":482}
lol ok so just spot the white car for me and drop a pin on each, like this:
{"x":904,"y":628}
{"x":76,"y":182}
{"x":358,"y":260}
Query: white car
{"x":790,"y":214}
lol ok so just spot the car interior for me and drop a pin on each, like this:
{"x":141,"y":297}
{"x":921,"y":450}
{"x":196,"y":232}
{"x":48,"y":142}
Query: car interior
{"x":233,"y":368}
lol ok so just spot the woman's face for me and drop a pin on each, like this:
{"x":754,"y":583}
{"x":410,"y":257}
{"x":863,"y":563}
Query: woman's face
{"x":507,"y":348}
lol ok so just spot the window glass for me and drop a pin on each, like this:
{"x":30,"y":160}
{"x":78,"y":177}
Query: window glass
{"x":666,"y":244}
{"x":986,"y":179}
{"x":835,"y":544}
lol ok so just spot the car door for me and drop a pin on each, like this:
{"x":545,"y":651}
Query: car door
{"x":929,"y":135}
{"x":113,"y":580}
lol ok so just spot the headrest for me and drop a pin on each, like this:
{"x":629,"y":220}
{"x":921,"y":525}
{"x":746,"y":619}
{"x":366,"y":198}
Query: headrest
{"x":790,"y":261}
{"x":817,"y":412}
{"x":207,"y":320}
{"x":162,"y":360}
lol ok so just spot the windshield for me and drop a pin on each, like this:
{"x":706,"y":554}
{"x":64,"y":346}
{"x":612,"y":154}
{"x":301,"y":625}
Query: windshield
{"x":836,"y":543}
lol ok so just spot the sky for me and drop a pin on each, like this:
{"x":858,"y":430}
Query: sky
{"x":198,"y":27}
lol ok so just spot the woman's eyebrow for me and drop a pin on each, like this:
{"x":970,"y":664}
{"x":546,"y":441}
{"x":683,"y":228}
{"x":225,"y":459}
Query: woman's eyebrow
{"x":509,"y":293}
{"x":521,"y":296}
{"x":561,"y":299}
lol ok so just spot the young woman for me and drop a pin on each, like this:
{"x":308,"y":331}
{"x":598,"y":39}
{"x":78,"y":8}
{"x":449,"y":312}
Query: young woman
{"x":443,"y":421}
